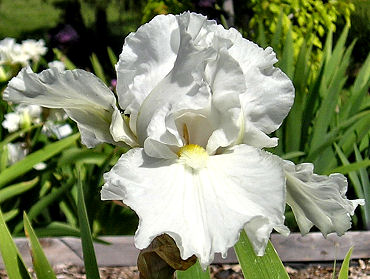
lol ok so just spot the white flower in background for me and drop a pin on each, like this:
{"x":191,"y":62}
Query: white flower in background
{"x":53,"y":125}
{"x":13,"y":53}
{"x":59,"y":130}
{"x":40,"y":166}
{"x":16,"y":152}
{"x":23,"y":116}
{"x":34,"y":49}
{"x":201,"y":102}
{"x":57,"y":64}
{"x":26,"y":115}
{"x":11,"y":121}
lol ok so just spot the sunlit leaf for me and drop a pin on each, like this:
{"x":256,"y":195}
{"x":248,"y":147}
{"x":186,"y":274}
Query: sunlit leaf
{"x":343,"y":273}
{"x":40,"y":262}
{"x":194,"y":272}
{"x":364,"y":176}
{"x":112,"y":57}
{"x":60,"y":56}
{"x":13,"y":261}
{"x":26,"y":164}
{"x":17,"y":189}
{"x":15,"y":135}
{"x":98,"y":69}
{"x":91,"y":265}
{"x":254,"y":267}
{"x":45,"y":201}
{"x":350,"y":167}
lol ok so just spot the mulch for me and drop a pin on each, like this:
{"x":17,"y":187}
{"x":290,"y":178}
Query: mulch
{"x":359,"y":269}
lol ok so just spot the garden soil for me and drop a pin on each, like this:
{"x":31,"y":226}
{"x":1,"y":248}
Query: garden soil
{"x":359,"y":269}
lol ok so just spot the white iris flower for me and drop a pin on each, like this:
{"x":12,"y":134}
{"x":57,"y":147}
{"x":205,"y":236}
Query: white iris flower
{"x":201,"y":101}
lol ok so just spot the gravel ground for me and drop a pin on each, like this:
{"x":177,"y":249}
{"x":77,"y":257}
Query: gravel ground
{"x":358,"y":270}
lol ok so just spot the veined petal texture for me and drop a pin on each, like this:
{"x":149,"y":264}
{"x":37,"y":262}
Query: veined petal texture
{"x":319,"y":200}
{"x":203,"y":210}
{"x":83,"y":97}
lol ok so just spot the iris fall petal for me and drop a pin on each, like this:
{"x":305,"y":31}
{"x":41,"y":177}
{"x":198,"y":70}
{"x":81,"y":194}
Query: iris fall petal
{"x":203,"y":209}
{"x":82,"y":95}
{"x":319,"y":200}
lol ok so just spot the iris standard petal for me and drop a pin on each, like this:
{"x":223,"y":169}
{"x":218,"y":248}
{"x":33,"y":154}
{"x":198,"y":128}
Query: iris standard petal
{"x":148,"y":55}
{"x":204,"y":80}
{"x":270,"y":93}
{"x":204,"y":209}
{"x":177,"y":93}
{"x":319,"y":200}
{"x":226,"y":81}
{"x":83,"y":97}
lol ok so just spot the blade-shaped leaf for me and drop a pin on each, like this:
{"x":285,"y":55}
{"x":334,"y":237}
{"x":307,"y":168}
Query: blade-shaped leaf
{"x":343,"y":273}
{"x":330,"y":95}
{"x":292,"y":155}
{"x":112,"y":57}
{"x":365,"y":187}
{"x":287,"y":63}
{"x":17,"y":189}
{"x":23,"y":166}
{"x":294,"y":120}
{"x":193,"y":272}
{"x":40,"y":262}
{"x":60,"y":56}
{"x":335,"y":58}
{"x":261,"y":38}
{"x":351,"y":167}
{"x":91,"y":265}
{"x":10,"y":214}
{"x":3,"y":158}
{"x":17,"y":134}
{"x":13,"y":261}
{"x":333,"y":135}
{"x":62,"y":229}
{"x":254,"y":267}
{"x":359,"y":90}
{"x":57,"y":229}
{"x":276,"y":37}
{"x":328,"y":47}
{"x":85,"y":156}
{"x":98,"y":69}
{"x":354,"y":179}
{"x":38,"y":207}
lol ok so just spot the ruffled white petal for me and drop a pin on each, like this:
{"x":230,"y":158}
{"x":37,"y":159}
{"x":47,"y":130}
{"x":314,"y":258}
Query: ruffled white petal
{"x":250,"y":97}
{"x":204,"y":80}
{"x":227,"y":83}
{"x":255,"y":137}
{"x":270,"y":93}
{"x":202,"y":210}
{"x":319,"y":200}
{"x":147,"y":57}
{"x":177,"y":93}
{"x":258,"y":231}
{"x":83,"y":97}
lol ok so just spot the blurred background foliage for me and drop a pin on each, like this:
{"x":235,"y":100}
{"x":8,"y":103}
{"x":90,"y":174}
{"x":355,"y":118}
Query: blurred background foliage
{"x":322,"y":46}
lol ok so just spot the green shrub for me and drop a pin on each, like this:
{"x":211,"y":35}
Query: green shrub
{"x":309,"y":20}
